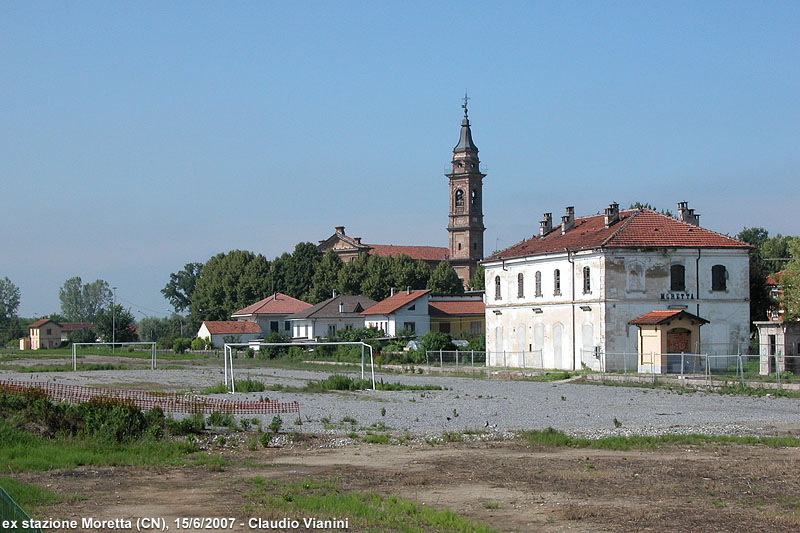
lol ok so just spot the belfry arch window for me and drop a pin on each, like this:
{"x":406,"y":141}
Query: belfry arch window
{"x":459,"y":198}
{"x":473,"y":197}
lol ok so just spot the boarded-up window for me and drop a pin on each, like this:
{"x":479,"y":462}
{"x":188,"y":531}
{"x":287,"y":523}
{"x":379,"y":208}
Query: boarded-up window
{"x":719,"y":278}
{"x":677,"y":278}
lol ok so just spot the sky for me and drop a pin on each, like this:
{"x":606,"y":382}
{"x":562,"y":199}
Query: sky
{"x":137,"y":137}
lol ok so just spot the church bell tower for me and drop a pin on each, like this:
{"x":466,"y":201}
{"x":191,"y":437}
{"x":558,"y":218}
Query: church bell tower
{"x":466,"y":204}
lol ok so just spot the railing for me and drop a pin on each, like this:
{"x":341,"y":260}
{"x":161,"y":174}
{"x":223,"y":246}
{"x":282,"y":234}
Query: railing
{"x":11,"y":514}
{"x":456,"y":360}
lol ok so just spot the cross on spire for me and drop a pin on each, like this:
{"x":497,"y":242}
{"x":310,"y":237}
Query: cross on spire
{"x":464,"y":105}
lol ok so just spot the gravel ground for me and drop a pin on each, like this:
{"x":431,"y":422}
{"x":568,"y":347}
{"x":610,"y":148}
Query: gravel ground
{"x":477,"y":404}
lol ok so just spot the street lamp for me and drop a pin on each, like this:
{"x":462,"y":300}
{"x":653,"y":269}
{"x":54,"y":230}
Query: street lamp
{"x":113,"y":321}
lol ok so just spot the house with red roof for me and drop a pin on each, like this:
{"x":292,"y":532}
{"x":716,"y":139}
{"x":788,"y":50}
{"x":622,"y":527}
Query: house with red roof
{"x":43,"y":334}
{"x":326,"y":319}
{"x":348,"y":248}
{"x":565,"y":298}
{"x":271,"y":313}
{"x":403,"y":310}
{"x":459,"y":316}
{"x":221,"y":332}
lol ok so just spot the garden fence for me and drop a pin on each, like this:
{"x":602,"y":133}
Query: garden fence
{"x":13,"y":514}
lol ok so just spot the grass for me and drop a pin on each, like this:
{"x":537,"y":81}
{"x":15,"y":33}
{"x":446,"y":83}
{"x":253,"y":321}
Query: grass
{"x":554,"y":376}
{"x":364,"y":510}
{"x":242,"y":385}
{"x":28,"y":496}
{"x":554,"y":437}
{"x":338,"y":382}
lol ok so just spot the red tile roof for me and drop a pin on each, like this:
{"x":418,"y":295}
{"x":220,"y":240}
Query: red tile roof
{"x":427,"y":253}
{"x":638,"y":228}
{"x":68,"y":327}
{"x":42,"y":322}
{"x":665,"y":315}
{"x":277,"y":304}
{"x":451,"y":308}
{"x":393,"y":303}
{"x":231,"y":328}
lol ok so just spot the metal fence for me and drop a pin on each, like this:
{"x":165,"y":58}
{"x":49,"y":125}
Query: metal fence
{"x":12,"y":515}
{"x":168,"y":402}
{"x":456,"y":360}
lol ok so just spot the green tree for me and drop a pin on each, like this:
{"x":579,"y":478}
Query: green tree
{"x":181,"y":286}
{"x":326,"y":277}
{"x":790,"y":283}
{"x":9,"y":300}
{"x":405,"y":272}
{"x":300,"y":270}
{"x":377,"y":283}
{"x":444,"y":281}
{"x":651,"y":207}
{"x":122,"y":321}
{"x":478,"y":281}
{"x":82,"y":302}
{"x":228,"y":282}
{"x":434,"y":340}
{"x":353,"y":274}
{"x":760,"y":300}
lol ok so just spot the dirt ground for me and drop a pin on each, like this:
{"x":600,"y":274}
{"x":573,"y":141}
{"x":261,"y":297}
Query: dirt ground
{"x":508,"y":485}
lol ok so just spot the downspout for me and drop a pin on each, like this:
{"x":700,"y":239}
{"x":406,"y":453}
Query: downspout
{"x":572,"y":304}
{"x":697,"y":292}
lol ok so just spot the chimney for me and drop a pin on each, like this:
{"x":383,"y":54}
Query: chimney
{"x":408,"y":289}
{"x":357,"y":239}
{"x":393,"y":291}
{"x":335,"y":293}
{"x":340,"y":230}
{"x":687,"y":215}
{"x":546,"y":225}
{"x":611,"y":214}
{"x":568,"y":220}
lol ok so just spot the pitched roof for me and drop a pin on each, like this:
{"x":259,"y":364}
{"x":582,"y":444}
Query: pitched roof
{"x":455,"y":307}
{"x":637,"y":228}
{"x":68,"y":327}
{"x":393,"y":303}
{"x":352,"y":307}
{"x":665,"y":315}
{"x":277,"y":304}
{"x":231,"y":328}
{"x":426,"y":253}
{"x":42,"y":322}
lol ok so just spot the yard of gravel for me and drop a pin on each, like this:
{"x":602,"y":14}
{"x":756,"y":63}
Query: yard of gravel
{"x":469,"y":404}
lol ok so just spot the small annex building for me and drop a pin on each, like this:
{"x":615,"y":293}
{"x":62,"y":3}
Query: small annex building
{"x":271,"y":313}
{"x":459,"y":316}
{"x":221,"y":332}
{"x":404,"y":310}
{"x":43,"y":334}
{"x":665,"y":338}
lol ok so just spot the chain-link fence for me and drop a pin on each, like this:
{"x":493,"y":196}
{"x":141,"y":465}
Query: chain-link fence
{"x":12,"y":515}
{"x":466,"y":361}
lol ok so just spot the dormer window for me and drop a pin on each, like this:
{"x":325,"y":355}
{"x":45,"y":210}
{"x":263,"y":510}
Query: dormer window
{"x":341,"y":308}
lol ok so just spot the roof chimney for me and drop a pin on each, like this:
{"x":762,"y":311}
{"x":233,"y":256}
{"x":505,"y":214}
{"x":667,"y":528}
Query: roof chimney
{"x":393,"y":291}
{"x":611,"y":214}
{"x":546,"y":225}
{"x":357,"y":239}
{"x":408,"y":289}
{"x":687,"y":215}
{"x":335,"y":293}
{"x":340,"y":230}
{"x":568,"y":220}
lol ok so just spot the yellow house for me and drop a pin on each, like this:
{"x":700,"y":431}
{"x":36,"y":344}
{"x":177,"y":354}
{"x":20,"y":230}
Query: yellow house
{"x":663,"y":336}
{"x":458,"y":316}
{"x":45,"y":334}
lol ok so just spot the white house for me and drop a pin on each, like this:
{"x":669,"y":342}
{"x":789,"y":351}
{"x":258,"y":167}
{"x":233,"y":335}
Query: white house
{"x":402,"y":310}
{"x":271,"y":313}
{"x":326,"y":319}
{"x":565,"y":297}
{"x":222,"y":332}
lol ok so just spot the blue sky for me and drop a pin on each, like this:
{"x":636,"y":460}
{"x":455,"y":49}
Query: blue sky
{"x":137,"y":137}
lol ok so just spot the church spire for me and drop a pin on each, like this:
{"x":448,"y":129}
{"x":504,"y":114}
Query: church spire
{"x":465,"y":143}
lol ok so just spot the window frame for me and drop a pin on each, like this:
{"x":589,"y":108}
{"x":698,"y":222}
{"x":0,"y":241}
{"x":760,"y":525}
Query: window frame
{"x":673,"y":285}
{"x":719,"y":278}
{"x":557,"y":282}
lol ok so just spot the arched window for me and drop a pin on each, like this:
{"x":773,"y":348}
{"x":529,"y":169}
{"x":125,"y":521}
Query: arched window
{"x":557,"y":283}
{"x":520,"y":285}
{"x":719,"y":278}
{"x":587,"y":280}
{"x":459,"y":198}
{"x":538,"y":279}
{"x":677,"y":278}
{"x":497,"y":287}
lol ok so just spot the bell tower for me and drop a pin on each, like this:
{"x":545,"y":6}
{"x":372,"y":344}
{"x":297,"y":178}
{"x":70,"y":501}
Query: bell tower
{"x":466,"y":204}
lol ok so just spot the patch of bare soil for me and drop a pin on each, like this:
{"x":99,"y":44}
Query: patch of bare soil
{"x":506,"y":485}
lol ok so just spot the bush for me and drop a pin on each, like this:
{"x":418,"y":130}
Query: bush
{"x":181,"y":344}
{"x":272,"y":352}
{"x":199,"y":343}
{"x":434,"y":340}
